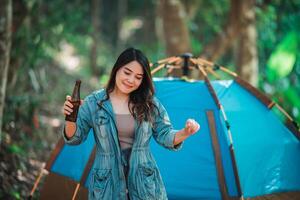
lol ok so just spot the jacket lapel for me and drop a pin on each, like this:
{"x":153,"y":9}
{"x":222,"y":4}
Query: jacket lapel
{"x":107,"y":106}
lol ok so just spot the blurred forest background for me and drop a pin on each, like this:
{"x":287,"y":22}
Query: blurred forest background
{"x":46,"y":45}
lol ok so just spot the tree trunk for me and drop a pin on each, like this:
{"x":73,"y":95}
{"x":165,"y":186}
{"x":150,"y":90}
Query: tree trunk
{"x":246,"y":52}
{"x":225,"y":39}
{"x":122,"y":12}
{"x":191,"y":7}
{"x":148,"y":29}
{"x":95,"y":17}
{"x":175,"y":31}
{"x":109,"y":25}
{"x":5,"y":45}
{"x":19,"y":12}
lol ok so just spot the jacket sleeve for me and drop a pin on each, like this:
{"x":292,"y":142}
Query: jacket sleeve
{"x":162,"y":129}
{"x":83,"y":124}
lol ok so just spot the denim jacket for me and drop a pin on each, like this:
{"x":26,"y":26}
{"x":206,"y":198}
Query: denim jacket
{"x":108,"y":180}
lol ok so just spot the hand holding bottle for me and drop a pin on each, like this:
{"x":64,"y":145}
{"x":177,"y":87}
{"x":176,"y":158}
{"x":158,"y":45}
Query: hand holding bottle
{"x":70,"y":126}
{"x":70,"y":110}
{"x":72,"y":106}
{"x":68,"y":106}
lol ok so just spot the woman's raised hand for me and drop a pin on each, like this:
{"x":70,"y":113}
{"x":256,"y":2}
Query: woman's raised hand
{"x":191,"y":126}
{"x":67,"y":109}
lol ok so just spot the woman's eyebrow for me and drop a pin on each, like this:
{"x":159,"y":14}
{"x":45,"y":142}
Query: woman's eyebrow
{"x":132,"y":71}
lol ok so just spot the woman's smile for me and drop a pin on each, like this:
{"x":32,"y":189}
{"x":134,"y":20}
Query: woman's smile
{"x":127,"y":85}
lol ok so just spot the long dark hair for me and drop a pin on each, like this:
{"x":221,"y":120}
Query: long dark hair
{"x":141,"y":99}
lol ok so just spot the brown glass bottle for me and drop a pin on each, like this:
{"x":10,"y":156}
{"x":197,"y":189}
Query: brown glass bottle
{"x":75,"y":100}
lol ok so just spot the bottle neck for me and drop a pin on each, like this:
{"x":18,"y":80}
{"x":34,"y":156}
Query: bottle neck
{"x":76,"y":92}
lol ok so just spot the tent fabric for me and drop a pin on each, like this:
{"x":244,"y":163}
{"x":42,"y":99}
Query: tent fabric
{"x":191,"y":173}
{"x":73,"y":158}
{"x":266,"y":152}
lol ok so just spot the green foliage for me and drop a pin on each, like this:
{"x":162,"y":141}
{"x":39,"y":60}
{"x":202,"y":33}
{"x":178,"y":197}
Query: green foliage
{"x":208,"y":22}
{"x":14,"y":148}
{"x":16,"y":194}
{"x":278,"y":52}
{"x":282,"y":60}
{"x":292,"y":95}
{"x":196,"y":46}
{"x":104,"y":79}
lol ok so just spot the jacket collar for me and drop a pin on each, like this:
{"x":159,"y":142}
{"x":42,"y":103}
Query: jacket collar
{"x":104,"y":102}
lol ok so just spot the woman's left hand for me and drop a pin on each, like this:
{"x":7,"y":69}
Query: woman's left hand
{"x":191,"y":127}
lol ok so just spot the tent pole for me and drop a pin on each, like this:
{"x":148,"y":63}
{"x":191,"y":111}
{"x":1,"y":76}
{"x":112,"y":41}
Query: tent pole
{"x":42,"y":172}
{"x":196,"y":62}
{"x":76,"y":191}
{"x":258,"y":94}
{"x":283,"y":112}
{"x":233,"y":160}
{"x":85,"y":172}
{"x":170,"y":68}
{"x":166,"y":60}
{"x":162,"y":61}
{"x":163,"y":64}
{"x":159,"y":67}
{"x":290,"y":123}
{"x":209,"y":86}
{"x":228,"y":71}
{"x":211,"y":64}
{"x":173,"y":59}
{"x":213,"y":73}
{"x":45,"y":169}
{"x":177,"y":62}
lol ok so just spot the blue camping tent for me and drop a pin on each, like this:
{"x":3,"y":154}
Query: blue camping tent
{"x":242,"y":149}
{"x":266,"y":151}
{"x":245,"y":151}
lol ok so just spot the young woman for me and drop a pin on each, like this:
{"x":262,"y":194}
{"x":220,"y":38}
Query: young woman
{"x":124,"y":116}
